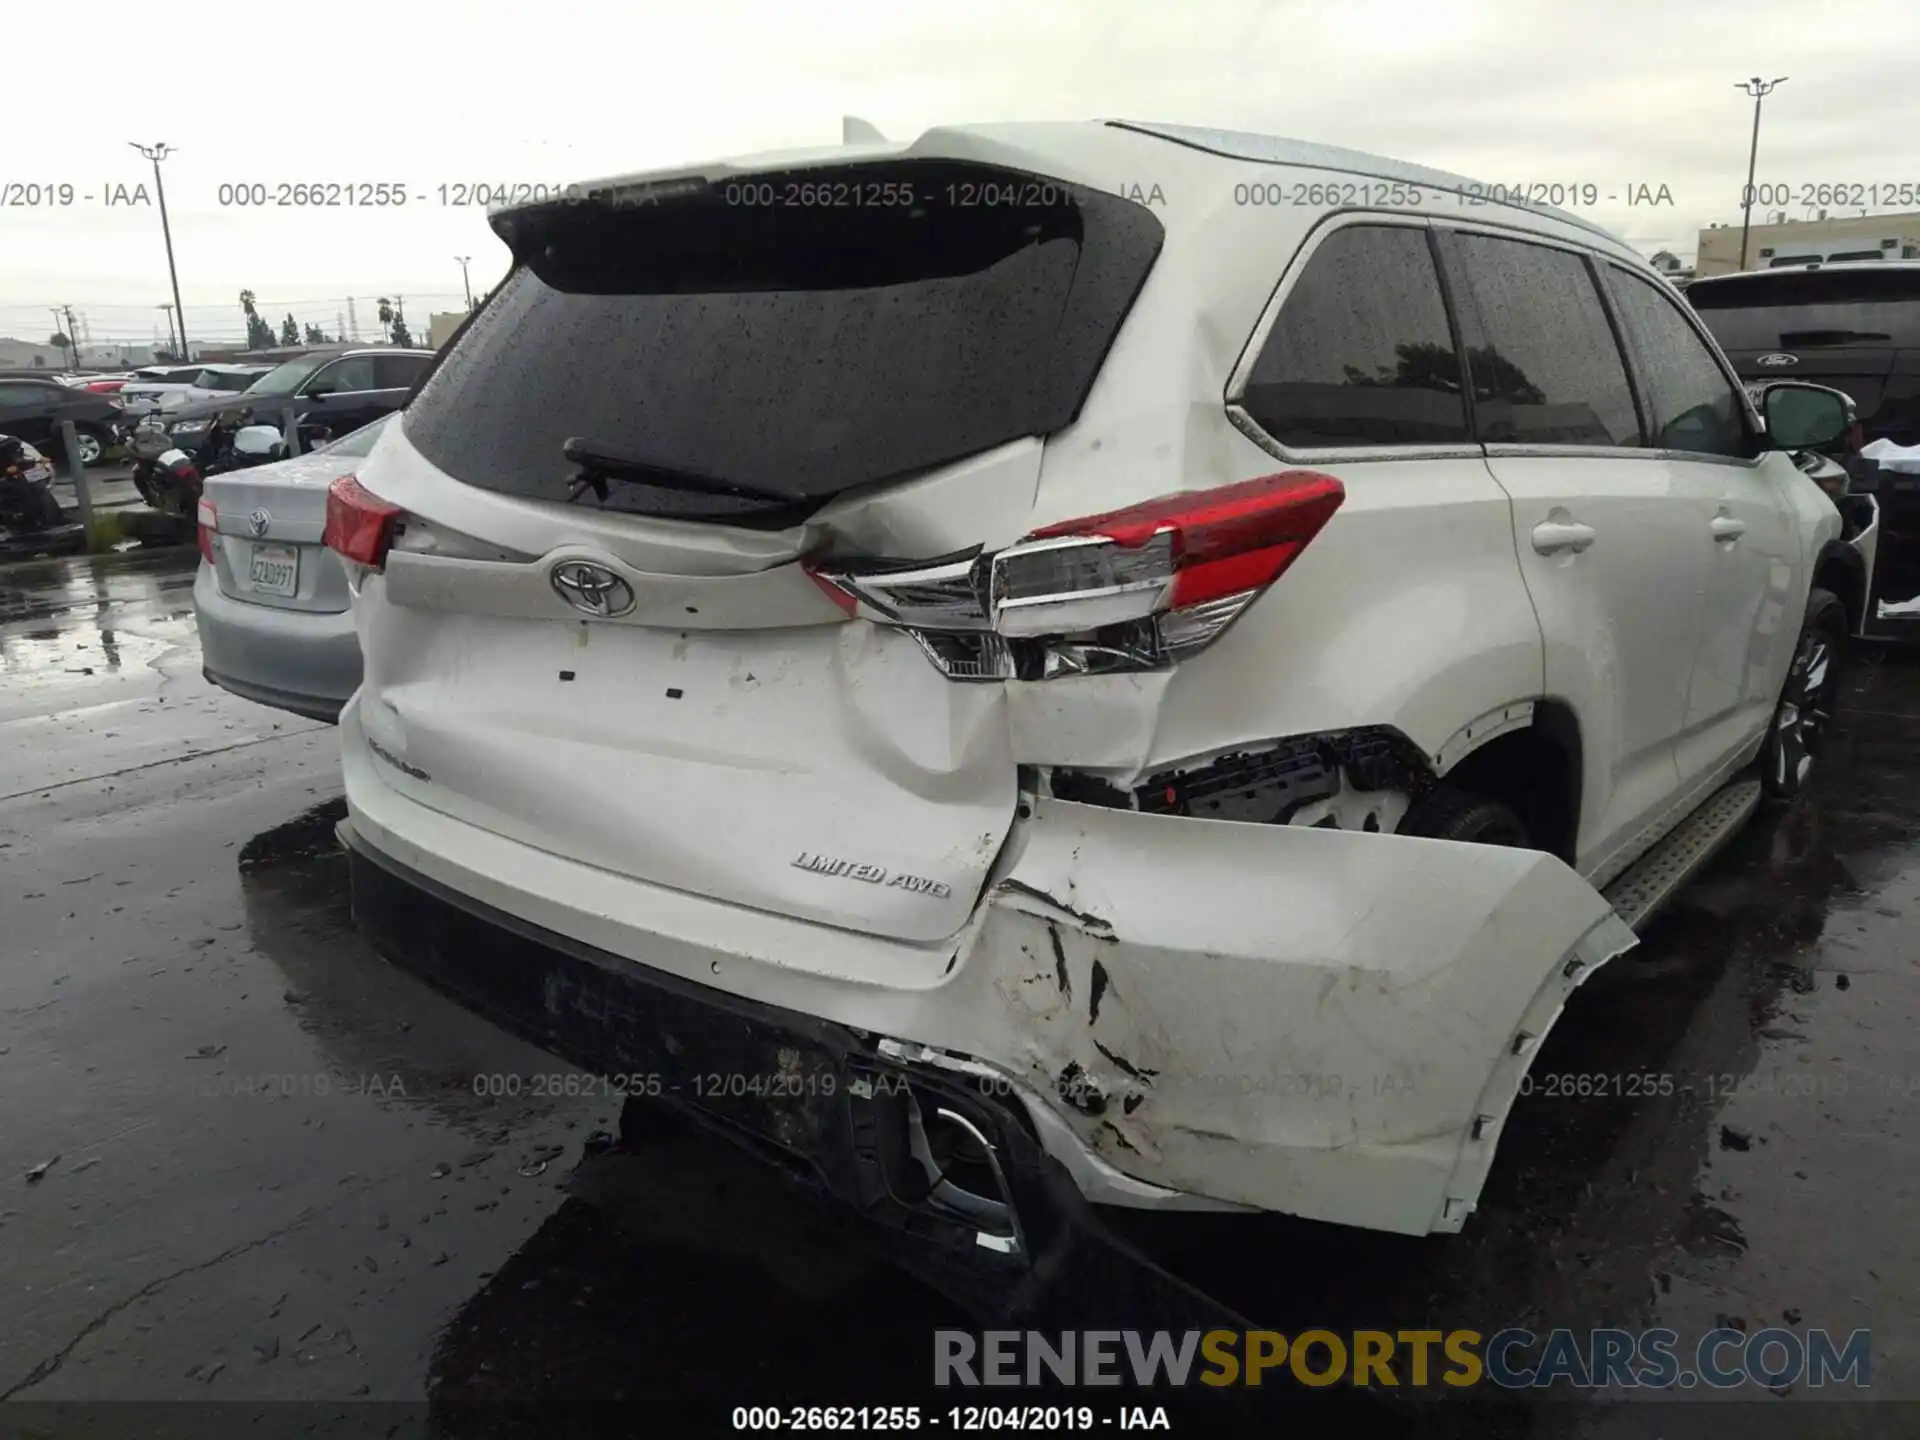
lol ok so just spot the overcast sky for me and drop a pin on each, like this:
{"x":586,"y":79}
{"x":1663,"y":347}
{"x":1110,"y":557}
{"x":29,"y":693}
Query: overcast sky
{"x":1618,"y":94}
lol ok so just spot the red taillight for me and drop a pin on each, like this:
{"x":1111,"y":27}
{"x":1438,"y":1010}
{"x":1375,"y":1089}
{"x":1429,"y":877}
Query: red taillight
{"x":847,"y":603}
{"x":1133,"y":588}
{"x":207,"y":524}
{"x":1238,"y":537}
{"x":359,"y":523}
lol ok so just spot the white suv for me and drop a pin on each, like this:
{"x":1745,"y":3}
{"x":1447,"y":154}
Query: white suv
{"x":932,"y":658}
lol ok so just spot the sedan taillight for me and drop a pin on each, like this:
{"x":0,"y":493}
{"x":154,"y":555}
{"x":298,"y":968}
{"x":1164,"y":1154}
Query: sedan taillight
{"x":1132,"y":589}
{"x":207,"y":525}
{"x":360,"y":525}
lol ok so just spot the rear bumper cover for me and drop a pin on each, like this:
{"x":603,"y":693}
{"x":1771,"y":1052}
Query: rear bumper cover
{"x":304,"y":661}
{"x":1179,"y":1013}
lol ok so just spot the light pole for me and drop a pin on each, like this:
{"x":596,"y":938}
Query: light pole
{"x":157,"y":153}
{"x":463,"y":259}
{"x":172,"y":344}
{"x":1759,"y":89}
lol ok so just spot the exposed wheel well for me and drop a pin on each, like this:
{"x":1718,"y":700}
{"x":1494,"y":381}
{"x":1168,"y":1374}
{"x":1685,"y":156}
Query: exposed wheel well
{"x":1536,"y":773}
{"x":1844,"y":580}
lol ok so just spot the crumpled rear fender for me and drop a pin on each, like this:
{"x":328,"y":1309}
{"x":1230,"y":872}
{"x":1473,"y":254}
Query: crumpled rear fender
{"x":1327,"y":1023}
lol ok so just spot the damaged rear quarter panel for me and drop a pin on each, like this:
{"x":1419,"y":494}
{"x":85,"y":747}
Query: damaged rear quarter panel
{"x":1304,"y":1020}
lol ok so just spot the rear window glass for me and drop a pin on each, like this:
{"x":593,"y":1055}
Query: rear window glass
{"x":1811,"y":308}
{"x":358,"y":443}
{"x":798,"y":334}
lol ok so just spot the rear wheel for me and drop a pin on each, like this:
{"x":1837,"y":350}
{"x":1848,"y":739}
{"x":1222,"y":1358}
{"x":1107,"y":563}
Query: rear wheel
{"x":1804,"y":711}
{"x":90,"y":443}
{"x":1444,"y":813}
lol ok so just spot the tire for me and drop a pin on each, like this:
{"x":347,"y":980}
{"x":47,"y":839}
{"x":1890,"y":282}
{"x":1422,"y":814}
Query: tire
{"x":1797,"y":734}
{"x":1447,"y":814}
{"x":92,"y":447}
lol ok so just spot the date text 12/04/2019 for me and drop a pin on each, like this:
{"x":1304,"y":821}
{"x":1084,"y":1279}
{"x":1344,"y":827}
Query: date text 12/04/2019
{"x":963,"y":1419}
{"x":1532,"y":194}
{"x":708,"y":1085}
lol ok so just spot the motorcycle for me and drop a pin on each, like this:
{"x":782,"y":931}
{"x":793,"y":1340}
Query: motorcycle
{"x":147,"y":442}
{"x":27,"y":503}
{"x":170,"y":480}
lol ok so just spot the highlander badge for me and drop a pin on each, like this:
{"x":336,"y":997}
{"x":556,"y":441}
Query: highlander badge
{"x":872,"y":874}
{"x":592,"y":589}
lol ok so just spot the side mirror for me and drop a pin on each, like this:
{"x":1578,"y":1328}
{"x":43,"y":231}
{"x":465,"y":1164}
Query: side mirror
{"x":318,"y":392}
{"x":257,"y":441}
{"x":1805,"y":417}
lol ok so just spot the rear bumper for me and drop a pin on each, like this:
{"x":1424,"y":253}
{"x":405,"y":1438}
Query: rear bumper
{"x":1179,"y":1013}
{"x":297,"y":660}
{"x":812,"y":1098}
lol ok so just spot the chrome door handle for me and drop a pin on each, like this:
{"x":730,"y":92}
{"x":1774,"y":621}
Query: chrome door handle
{"x":1550,"y":537}
{"x":1725,"y":527}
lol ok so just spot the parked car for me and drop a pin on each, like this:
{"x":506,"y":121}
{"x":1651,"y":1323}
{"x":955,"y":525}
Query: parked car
{"x":271,"y":600}
{"x":332,"y":393}
{"x":207,"y":382}
{"x":1855,"y":327}
{"x":945,"y":691}
{"x":34,"y":409}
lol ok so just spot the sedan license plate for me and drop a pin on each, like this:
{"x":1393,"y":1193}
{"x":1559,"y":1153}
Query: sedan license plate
{"x":274,"y":569}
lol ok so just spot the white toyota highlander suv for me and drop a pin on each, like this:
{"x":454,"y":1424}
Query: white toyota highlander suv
{"x":1112,"y":660}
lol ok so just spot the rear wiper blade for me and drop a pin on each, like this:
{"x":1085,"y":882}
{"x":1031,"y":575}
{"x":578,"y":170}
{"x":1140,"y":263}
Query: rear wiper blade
{"x":1831,"y":337}
{"x":599,"y":463}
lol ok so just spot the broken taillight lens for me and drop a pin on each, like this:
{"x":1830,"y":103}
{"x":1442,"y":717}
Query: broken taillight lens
{"x":360,"y":525}
{"x":206,"y":525}
{"x":1131,"y":589}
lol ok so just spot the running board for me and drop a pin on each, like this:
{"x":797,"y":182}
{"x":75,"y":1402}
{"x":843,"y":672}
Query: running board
{"x":1653,"y":879}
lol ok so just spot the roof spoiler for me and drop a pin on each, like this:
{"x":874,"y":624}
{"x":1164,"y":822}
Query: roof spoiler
{"x":855,"y":131}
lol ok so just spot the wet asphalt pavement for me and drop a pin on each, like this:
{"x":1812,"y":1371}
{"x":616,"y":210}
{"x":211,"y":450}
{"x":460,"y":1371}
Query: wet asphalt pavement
{"x":244,"y":1160}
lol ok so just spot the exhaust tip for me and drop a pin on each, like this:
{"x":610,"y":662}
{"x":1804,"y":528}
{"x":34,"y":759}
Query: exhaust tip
{"x":963,"y":1171}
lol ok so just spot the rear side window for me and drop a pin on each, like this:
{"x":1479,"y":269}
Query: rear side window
{"x":1546,"y":368}
{"x":1360,"y":353}
{"x":795,"y":334}
{"x":398,"y":372}
{"x":1812,"y":308}
{"x":1693,"y":405}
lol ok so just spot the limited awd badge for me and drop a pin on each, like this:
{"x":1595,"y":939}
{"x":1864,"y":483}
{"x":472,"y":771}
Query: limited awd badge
{"x":872,"y":874}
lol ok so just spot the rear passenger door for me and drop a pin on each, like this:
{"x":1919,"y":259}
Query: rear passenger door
{"x":345,"y":395}
{"x":1702,"y":440}
{"x":1615,"y":547}
{"x":27,"y":410}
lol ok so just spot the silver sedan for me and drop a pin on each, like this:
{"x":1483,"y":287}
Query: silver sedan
{"x":272,"y":601}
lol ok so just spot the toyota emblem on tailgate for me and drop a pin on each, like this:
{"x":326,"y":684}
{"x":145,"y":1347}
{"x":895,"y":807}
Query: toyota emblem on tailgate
{"x":259,"y":520}
{"x":1776,"y":360}
{"x":592,"y":589}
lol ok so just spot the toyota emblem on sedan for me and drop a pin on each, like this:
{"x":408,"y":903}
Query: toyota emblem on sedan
{"x":258,"y":521}
{"x":592,"y":589}
{"x":1773,"y":362}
